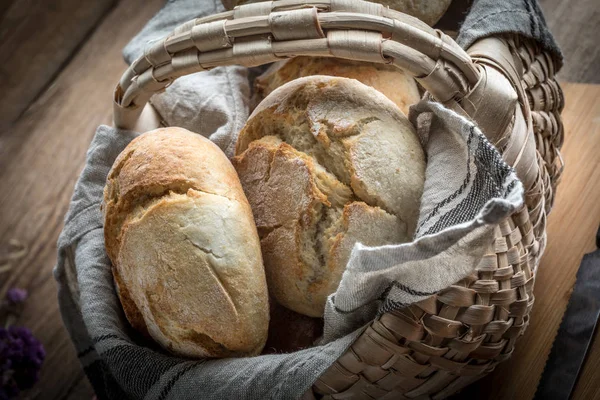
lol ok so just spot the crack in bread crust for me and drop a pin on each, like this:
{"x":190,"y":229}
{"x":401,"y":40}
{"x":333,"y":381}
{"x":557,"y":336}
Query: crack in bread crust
{"x":213,"y":270}
{"x":135,"y":204}
{"x":112,"y":190}
{"x":265,"y":231}
{"x":320,"y":146}
{"x":326,"y":227}
{"x":311,"y":122}
{"x":132,"y":214}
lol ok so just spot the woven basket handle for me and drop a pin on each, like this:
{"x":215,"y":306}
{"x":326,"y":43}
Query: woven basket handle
{"x":260,"y":33}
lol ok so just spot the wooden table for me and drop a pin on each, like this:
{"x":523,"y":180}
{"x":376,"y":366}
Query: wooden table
{"x":572,"y":228}
{"x":42,"y":154}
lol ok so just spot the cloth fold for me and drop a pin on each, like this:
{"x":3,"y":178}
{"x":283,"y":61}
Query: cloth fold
{"x":520,"y":17}
{"x":468,"y":190}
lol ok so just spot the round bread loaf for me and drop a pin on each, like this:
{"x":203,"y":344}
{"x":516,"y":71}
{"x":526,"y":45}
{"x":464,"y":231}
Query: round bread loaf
{"x":428,"y":11}
{"x":391,"y":81}
{"x":325,"y":163}
{"x":184,"y":247}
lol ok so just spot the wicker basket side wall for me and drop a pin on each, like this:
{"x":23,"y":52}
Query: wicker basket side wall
{"x":439,"y":346}
{"x":546,"y":101}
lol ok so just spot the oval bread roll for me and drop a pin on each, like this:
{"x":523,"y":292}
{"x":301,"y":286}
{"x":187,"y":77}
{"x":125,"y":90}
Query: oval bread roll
{"x":325,"y":163}
{"x":394,"y":83}
{"x":184,"y":247}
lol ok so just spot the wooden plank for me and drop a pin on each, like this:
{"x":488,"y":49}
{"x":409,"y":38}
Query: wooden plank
{"x":40,"y":160}
{"x":572,"y":228}
{"x":37,"y":37}
{"x":4,"y":6}
{"x":574,"y":24}
{"x":588,"y":385}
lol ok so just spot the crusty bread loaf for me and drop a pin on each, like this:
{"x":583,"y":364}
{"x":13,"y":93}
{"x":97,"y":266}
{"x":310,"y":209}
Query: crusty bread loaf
{"x":391,"y":81}
{"x":428,"y":11}
{"x":325,"y":163}
{"x":184,"y":247}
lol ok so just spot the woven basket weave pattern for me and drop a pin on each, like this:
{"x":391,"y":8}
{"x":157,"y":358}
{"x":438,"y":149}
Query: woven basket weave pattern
{"x":440,"y":345}
{"x":443,"y":344}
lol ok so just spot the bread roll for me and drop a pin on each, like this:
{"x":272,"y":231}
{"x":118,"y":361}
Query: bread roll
{"x":391,"y":81}
{"x":325,"y":163}
{"x":184,"y":247}
{"x":428,"y":11}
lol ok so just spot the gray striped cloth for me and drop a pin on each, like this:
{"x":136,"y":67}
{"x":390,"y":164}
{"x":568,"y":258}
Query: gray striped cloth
{"x":468,"y":190}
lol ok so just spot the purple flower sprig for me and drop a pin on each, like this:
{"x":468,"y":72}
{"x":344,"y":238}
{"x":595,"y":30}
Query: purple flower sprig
{"x":21,"y":354}
{"x":16,"y":296}
{"x":12,"y":305}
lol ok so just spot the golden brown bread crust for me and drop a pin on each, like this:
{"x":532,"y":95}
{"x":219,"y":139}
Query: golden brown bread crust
{"x":392,"y":82}
{"x":153,"y":167}
{"x":184,"y":247}
{"x":325,"y":163}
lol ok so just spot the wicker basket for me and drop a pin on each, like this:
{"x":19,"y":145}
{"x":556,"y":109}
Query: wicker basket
{"x":440,"y":345}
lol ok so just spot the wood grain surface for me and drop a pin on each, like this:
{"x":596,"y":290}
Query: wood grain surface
{"x":588,"y":385}
{"x":575,"y":25}
{"x":38,"y":37}
{"x":43,"y":153}
{"x":41,"y":157}
{"x":5,"y":5}
{"x":584,"y":124}
{"x":571,"y":231}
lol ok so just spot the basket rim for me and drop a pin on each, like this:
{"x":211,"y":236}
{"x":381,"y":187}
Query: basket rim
{"x":259,"y":33}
